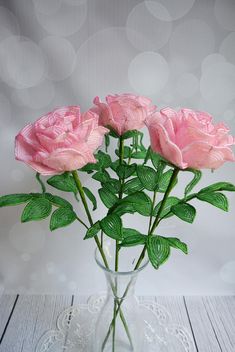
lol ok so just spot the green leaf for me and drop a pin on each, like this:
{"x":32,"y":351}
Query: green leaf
{"x":148,"y":155}
{"x":125,"y":171}
{"x":176,"y":243}
{"x":217,"y":199}
{"x":14,"y":199}
{"x":147,"y":176}
{"x":158,"y":250}
{"x":126,"y":153}
{"x":132,"y":237}
{"x":90,"y":167}
{"x":93,"y":230}
{"x":107,"y":142}
{"x":101,"y":176}
{"x":140,"y":202}
{"x":219,"y":186}
{"x":108,"y":198}
{"x":194,"y":182}
{"x":112,"y":226}
{"x":62,"y":217}
{"x":112,"y":133}
{"x":166,"y":211}
{"x":165,"y":180}
{"x":155,"y":158}
{"x":64,"y":182}
{"x":129,"y":134}
{"x":141,"y":146}
{"x":123,"y":208}
{"x":132,"y":186}
{"x":112,"y":186}
{"x":184,"y":211}
{"x":58,"y":201}
{"x":36,"y":209}
{"x":115,"y":165}
{"x":104,"y":160}
{"x":91,"y":197}
{"x":139,"y":155}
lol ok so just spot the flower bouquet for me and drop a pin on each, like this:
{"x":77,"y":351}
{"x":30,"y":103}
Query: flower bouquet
{"x":62,"y":145}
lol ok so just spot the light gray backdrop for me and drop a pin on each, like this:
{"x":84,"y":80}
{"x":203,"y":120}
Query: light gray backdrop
{"x":60,"y":52}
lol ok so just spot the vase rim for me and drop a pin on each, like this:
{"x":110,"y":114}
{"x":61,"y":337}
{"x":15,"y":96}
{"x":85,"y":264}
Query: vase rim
{"x":110,"y":271}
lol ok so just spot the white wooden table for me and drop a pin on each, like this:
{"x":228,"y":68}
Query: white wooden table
{"x":209,"y":319}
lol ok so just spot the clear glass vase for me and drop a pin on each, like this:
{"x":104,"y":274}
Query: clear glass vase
{"x":119,"y":326}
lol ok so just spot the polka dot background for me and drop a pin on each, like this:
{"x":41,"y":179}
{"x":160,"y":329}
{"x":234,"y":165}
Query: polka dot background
{"x":180,"y":53}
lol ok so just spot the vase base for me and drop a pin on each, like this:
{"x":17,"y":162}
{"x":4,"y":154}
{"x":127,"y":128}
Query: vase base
{"x":119,"y":347}
{"x":76,"y":325}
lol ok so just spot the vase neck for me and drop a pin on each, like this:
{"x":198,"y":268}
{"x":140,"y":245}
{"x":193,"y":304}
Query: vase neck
{"x":121,"y":286}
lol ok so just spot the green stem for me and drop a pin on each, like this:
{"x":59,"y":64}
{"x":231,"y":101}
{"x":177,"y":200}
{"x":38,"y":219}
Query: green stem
{"x":41,"y":183}
{"x":121,"y":157}
{"x":83,"y":198}
{"x":156,"y":221}
{"x":169,"y":189}
{"x":142,"y":255}
{"x":102,"y":239}
{"x":114,"y":324}
{"x":83,"y":223}
{"x":185,"y":199}
{"x":152,"y":209}
{"x":82,"y":195}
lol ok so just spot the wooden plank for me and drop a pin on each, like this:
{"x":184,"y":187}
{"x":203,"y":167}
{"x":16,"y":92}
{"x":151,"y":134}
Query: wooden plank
{"x":32,"y":316}
{"x":221,"y":312}
{"x":7,"y":304}
{"x":175,"y":305}
{"x":203,"y":330}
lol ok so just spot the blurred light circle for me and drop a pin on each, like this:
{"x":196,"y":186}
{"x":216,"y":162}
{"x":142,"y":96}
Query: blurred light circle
{"x":27,"y":238}
{"x":50,"y":268}
{"x":192,"y":40}
{"x":66,"y":21}
{"x":36,"y":97}
{"x":21,"y":62}
{"x":148,"y":73}
{"x":47,"y":7}
{"x":7,"y":136}
{"x":8,"y":24}
{"x":102,"y":65}
{"x":147,"y":28}
{"x":33,"y":276}
{"x":2,"y":288}
{"x":211,"y":60}
{"x":187,"y":85}
{"x":177,"y":8}
{"x":225,"y":13}
{"x":60,"y":57}
{"x":227,"y":272}
{"x":227,"y":47}
{"x":26,"y":257}
{"x":74,"y":2}
{"x":5,"y":111}
{"x":218,"y":82}
{"x":62,"y":278}
{"x":17,"y":175}
{"x":72,"y":286}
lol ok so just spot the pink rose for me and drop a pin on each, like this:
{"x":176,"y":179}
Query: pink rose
{"x":62,"y":140}
{"x":123,"y":112}
{"x":188,"y":138}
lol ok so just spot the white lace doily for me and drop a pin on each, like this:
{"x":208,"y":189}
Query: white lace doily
{"x":75,"y":326}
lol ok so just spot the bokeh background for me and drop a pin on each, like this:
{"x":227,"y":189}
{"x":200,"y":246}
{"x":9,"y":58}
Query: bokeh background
{"x":180,"y":53}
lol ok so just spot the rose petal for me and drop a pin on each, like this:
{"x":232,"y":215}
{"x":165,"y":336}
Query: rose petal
{"x":169,"y":150}
{"x":200,"y":155}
